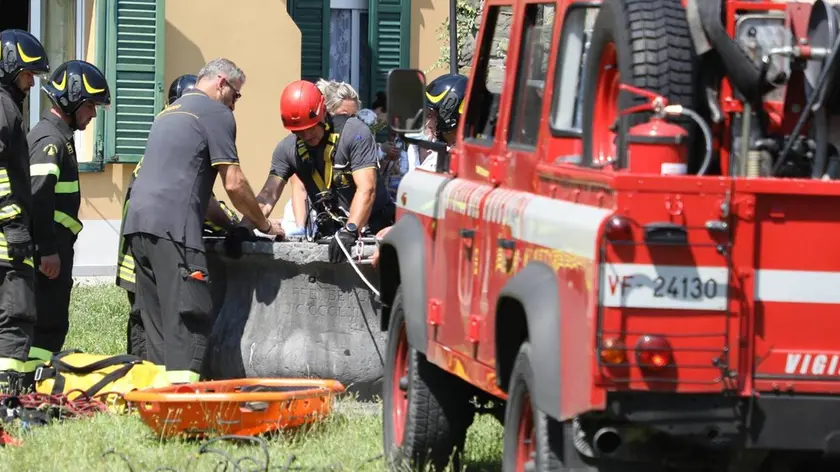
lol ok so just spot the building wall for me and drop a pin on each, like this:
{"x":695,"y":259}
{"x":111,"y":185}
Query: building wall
{"x":427,"y":16}
{"x":264,"y":41}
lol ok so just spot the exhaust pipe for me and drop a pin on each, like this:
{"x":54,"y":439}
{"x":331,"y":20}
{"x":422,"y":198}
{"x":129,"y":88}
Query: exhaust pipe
{"x":606,"y":441}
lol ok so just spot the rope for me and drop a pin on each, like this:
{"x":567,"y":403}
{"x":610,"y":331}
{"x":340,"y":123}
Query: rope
{"x":63,"y":406}
{"x":355,"y":266}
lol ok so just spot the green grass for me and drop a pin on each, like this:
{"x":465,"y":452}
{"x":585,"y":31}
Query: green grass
{"x":345,"y":441}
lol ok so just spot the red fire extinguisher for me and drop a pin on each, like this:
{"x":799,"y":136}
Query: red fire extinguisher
{"x":656,"y":146}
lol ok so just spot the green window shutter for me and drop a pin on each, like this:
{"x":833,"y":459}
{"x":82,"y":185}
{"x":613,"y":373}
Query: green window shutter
{"x":390,"y":40}
{"x":312,"y":17}
{"x":134,"y":65}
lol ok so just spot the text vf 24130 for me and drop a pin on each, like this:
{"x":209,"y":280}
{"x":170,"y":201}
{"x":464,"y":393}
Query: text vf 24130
{"x":664,"y":287}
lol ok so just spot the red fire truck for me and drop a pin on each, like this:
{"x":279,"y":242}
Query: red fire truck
{"x":634,"y":245}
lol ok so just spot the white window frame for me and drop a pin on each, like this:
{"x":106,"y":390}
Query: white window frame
{"x":36,"y":21}
{"x":356,"y":7}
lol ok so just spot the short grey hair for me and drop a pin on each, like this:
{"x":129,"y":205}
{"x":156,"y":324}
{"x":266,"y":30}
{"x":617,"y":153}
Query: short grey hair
{"x":224,"y":67}
{"x":337,"y":92}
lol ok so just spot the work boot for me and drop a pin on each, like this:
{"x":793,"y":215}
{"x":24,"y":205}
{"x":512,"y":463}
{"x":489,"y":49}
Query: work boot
{"x":11,"y":382}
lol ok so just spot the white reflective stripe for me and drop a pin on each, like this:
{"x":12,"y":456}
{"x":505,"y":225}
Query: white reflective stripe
{"x":565,"y":226}
{"x":44,"y":169}
{"x":797,"y":286}
{"x":664,"y":287}
{"x":421,"y":189}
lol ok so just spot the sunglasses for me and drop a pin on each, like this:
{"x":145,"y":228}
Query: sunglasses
{"x":236,"y":94}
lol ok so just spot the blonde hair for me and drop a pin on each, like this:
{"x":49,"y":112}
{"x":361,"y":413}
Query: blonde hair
{"x":335,"y":93}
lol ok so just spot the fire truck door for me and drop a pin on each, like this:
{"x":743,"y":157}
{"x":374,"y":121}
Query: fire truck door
{"x":457,"y":260}
{"x":499,"y":259}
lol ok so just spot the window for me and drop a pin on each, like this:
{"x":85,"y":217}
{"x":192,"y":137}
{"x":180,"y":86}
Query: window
{"x":483,"y":107}
{"x":59,"y":39}
{"x":60,"y":26}
{"x":530,"y":78}
{"x":354,"y":41}
{"x":568,"y":88}
{"x":133,"y":45}
{"x":349,"y":46}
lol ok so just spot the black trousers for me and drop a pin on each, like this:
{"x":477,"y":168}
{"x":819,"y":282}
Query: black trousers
{"x":173,"y":293}
{"x":52,"y":297}
{"x":17,"y":316}
{"x":135,"y":333}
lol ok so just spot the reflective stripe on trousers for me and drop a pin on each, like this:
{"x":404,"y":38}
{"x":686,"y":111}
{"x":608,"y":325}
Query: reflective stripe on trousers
{"x":126,"y":268}
{"x":37,"y":356}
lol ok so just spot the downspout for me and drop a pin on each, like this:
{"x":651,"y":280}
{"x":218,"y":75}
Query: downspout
{"x":453,"y":37}
{"x":101,"y":48}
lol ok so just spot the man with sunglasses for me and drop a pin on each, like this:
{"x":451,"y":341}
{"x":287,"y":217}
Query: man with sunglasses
{"x":191,"y":141}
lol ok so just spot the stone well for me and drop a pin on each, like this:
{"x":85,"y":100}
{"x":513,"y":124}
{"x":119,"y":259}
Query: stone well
{"x":284,"y":311}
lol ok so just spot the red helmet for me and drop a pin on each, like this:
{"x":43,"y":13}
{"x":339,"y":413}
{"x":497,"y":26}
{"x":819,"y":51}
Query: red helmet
{"x":301,"y":106}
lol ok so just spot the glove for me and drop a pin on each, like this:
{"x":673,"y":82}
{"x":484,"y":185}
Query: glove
{"x":18,"y":241}
{"x":346,"y":239}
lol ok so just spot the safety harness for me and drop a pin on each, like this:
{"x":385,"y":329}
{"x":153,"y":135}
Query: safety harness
{"x":322,"y":190}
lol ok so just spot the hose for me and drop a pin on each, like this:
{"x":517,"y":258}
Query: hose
{"x":813,"y":101}
{"x":707,"y":132}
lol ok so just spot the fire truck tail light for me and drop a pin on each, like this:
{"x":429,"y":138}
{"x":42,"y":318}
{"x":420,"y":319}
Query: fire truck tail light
{"x":618,"y":228}
{"x":613,"y":352}
{"x":653,"y":353}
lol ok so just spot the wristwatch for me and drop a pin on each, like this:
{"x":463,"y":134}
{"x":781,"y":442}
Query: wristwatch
{"x":351,"y":228}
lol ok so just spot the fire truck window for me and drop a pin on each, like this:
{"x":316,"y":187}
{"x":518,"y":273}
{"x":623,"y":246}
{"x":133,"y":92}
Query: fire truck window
{"x":530,"y":76}
{"x":571,"y":55}
{"x":483,"y":109}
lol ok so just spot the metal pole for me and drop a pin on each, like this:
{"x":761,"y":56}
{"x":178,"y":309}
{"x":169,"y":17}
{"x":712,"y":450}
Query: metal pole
{"x":453,"y":37}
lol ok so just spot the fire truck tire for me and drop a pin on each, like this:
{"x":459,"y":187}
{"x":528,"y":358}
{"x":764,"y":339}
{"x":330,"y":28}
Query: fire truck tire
{"x":644,"y":43}
{"x":528,"y":443}
{"x":426,"y":410}
{"x":534,"y":441}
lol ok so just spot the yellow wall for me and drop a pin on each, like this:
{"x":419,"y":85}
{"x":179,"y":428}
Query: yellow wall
{"x":264,"y":41}
{"x":427,"y":16}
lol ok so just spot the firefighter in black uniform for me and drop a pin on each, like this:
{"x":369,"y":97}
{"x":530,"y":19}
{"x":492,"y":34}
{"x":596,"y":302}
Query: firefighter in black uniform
{"x":191,"y":141}
{"x":21,"y":57}
{"x":219,"y":220}
{"x":75,"y":89}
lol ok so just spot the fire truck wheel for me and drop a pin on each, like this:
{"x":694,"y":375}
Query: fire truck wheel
{"x":426,"y":410}
{"x":527,"y":442}
{"x":644,"y":43}
{"x":535,"y":442}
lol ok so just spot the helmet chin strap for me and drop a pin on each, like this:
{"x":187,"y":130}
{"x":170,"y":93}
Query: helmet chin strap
{"x":73,"y":122}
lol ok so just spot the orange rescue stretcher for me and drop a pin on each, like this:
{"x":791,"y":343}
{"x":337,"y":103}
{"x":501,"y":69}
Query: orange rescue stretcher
{"x":246,"y":407}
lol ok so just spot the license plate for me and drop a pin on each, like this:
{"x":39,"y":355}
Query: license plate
{"x":664,"y":287}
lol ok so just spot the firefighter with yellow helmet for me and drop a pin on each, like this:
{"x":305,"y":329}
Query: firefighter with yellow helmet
{"x":22,"y":57}
{"x":75,"y":89}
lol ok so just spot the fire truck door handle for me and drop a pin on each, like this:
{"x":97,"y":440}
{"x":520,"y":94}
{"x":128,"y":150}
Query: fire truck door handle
{"x":467,"y":238}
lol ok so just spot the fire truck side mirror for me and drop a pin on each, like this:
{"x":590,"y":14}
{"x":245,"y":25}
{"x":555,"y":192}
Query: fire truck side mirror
{"x":406,"y":100}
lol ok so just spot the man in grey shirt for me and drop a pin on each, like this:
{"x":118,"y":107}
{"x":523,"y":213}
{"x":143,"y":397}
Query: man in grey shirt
{"x":330,"y":154}
{"x":191,"y":141}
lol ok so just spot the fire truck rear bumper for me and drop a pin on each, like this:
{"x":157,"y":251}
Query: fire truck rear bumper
{"x":791,"y":422}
